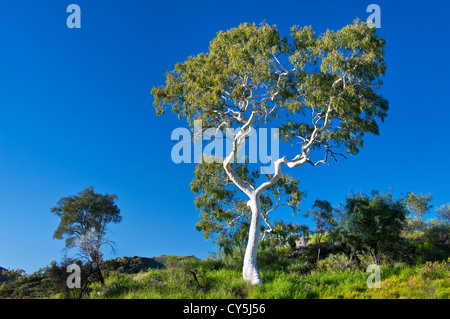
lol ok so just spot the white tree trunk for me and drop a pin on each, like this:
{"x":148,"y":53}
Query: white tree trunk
{"x":250,"y":270}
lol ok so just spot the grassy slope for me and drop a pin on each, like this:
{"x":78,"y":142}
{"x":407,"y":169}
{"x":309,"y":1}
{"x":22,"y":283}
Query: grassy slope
{"x":400,"y":281}
{"x":218,"y":281}
{"x":336,"y":276}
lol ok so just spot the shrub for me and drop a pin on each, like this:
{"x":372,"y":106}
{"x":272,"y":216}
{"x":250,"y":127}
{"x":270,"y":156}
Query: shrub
{"x":338,"y":262}
{"x":434,"y":270}
{"x":372,"y":223}
{"x":438,"y":233}
{"x":365,"y":259}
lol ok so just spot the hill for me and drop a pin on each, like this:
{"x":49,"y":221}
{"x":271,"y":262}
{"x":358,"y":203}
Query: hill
{"x":136,"y":264}
{"x":2,"y":276}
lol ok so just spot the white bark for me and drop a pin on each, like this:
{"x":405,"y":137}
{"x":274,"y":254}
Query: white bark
{"x":250,"y":270}
{"x":238,"y":143}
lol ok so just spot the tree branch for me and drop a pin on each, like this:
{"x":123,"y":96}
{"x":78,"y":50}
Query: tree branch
{"x":239,"y":141}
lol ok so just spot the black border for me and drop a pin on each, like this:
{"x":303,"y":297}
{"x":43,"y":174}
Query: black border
{"x":273,"y":308}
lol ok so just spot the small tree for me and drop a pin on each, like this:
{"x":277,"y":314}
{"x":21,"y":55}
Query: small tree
{"x":444,"y":213}
{"x":372,"y":223}
{"x":322,"y":213}
{"x":84,"y":223}
{"x":418,"y":205}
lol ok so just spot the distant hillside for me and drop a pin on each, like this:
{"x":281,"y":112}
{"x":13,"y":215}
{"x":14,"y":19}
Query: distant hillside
{"x":135,"y":264}
{"x":3,"y":277}
{"x":39,"y":285}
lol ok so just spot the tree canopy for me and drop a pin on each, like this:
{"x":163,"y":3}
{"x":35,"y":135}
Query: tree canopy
{"x":418,"y":204}
{"x":81,"y":213}
{"x":331,"y":78}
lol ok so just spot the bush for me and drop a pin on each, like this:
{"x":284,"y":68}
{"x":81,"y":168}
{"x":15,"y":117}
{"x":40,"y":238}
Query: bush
{"x":365,"y":259}
{"x":438,"y":233}
{"x":434,"y":270}
{"x":339,"y":262}
{"x":372,"y":223}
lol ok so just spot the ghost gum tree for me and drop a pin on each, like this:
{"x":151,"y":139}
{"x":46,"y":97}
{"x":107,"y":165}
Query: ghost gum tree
{"x":321,"y":90}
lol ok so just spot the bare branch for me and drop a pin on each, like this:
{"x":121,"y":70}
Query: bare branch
{"x":239,"y":141}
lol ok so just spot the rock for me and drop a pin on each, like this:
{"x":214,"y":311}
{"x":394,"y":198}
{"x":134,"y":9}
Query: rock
{"x":301,"y":243}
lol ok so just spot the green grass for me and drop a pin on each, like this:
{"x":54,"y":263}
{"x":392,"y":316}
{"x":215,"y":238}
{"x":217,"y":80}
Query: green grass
{"x":284,"y":277}
{"x":399,"y":281}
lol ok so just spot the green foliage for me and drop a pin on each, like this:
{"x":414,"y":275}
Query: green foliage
{"x":84,"y":221}
{"x":437,"y":232}
{"x":339,"y":67}
{"x":252,"y":75}
{"x":337,"y":276}
{"x":23,"y":286}
{"x":125,"y":265}
{"x":284,"y":235}
{"x":365,"y":259}
{"x":80,"y":213}
{"x":322,"y":213}
{"x":372,"y":223}
{"x":314,"y":239}
{"x":58,"y":275}
{"x":13,"y":274}
{"x":444,"y":213}
{"x":435,"y":270}
{"x":338,"y":262}
{"x":435,"y":242}
{"x":224,"y":214}
{"x":418,"y":205}
{"x":414,"y":227}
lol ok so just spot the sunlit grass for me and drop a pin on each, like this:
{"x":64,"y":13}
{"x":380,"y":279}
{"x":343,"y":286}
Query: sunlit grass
{"x":399,"y":281}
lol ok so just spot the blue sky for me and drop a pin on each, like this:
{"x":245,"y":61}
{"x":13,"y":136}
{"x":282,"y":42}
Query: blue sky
{"x":76,"y":110}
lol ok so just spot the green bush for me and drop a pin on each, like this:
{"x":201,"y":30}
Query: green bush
{"x":365,"y":259}
{"x":324,"y":238}
{"x":334,"y":262}
{"x":434,"y":270}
